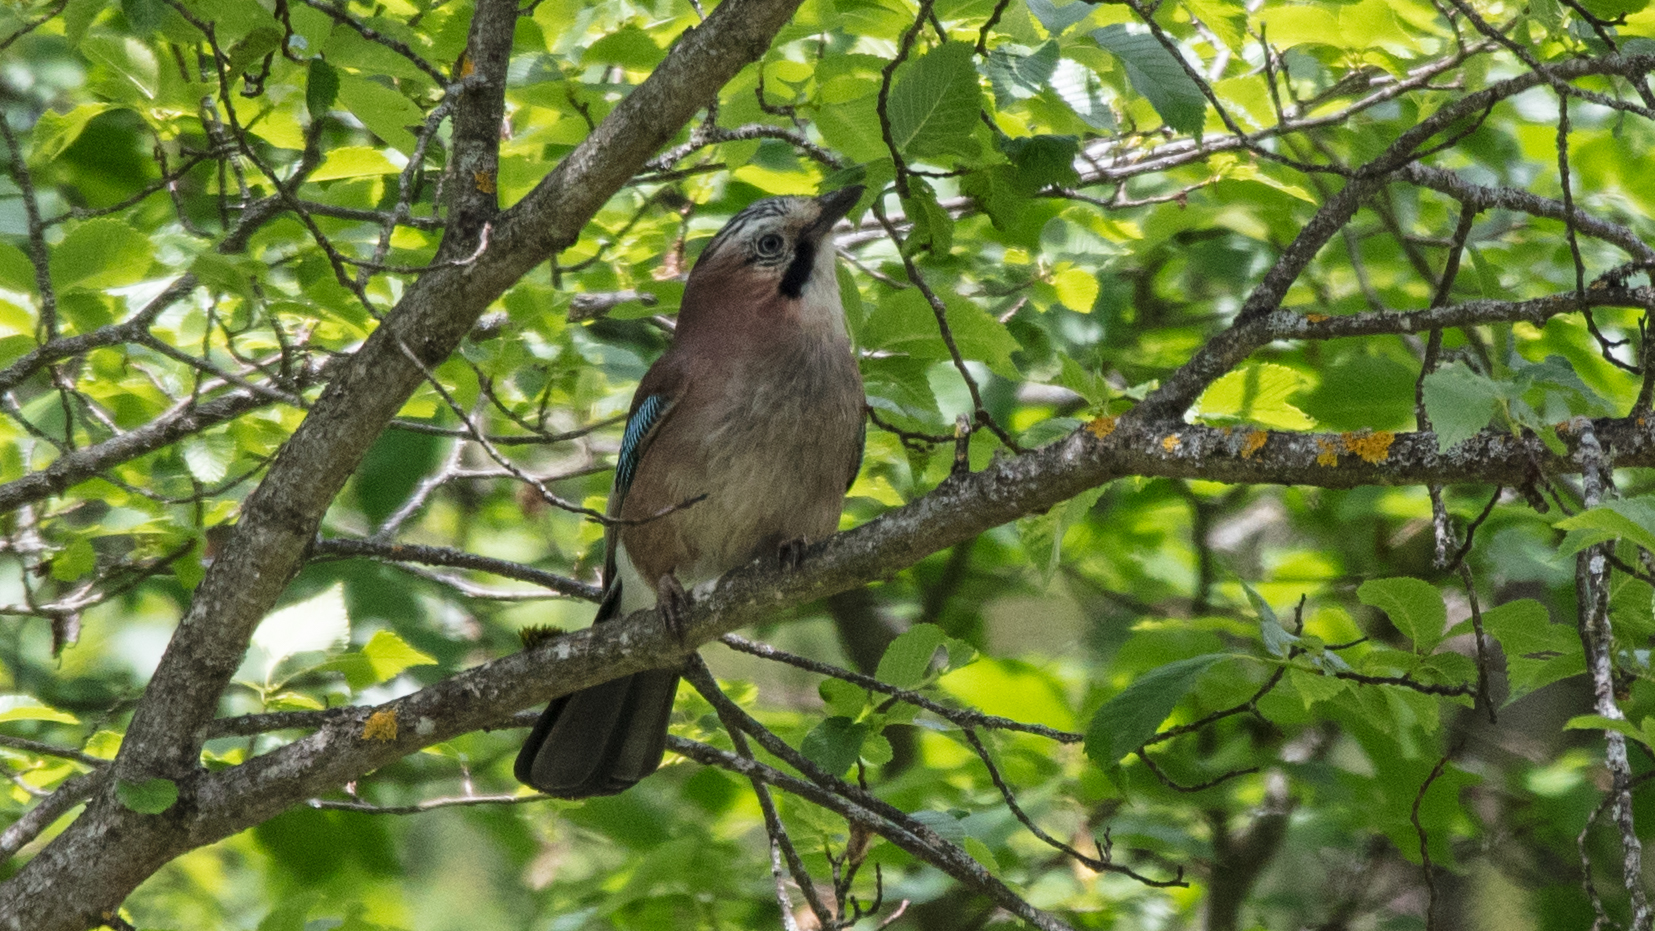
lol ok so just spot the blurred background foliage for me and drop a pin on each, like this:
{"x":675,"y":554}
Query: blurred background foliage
{"x":1064,"y":186}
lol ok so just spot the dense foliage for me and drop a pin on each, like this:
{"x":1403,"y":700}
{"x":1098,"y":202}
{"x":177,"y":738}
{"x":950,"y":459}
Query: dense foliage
{"x":1348,"y":625}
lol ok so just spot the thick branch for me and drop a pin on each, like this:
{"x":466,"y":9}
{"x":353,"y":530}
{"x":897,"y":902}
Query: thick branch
{"x":92,"y":866}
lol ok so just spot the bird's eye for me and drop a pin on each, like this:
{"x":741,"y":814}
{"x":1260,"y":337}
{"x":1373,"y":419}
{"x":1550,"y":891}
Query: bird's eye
{"x":770,"y":245}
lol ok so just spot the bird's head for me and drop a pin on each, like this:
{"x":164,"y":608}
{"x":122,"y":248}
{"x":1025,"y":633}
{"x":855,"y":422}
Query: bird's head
{"x":774,"y":257}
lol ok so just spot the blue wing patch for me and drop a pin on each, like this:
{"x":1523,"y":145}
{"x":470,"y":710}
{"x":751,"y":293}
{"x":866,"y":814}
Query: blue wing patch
{"x":638,"y":426}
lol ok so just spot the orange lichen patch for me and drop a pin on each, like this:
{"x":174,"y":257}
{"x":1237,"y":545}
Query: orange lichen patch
{"x":382,"y":725}
{"x":1171,"y":443}
{"x":484,"y":180}
{"x":1330,"y":450}
{"x":1253,"y":443}
{"x":1102,"y":426}
{"x":1373,"y":447}
{"x":467,"y":67}
{"x":1317,"y":318}
{"x":1640,"y":420}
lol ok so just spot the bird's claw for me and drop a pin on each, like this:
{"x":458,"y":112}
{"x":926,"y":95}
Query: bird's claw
{"x":791,"y":553}
{"x":672,"y":602}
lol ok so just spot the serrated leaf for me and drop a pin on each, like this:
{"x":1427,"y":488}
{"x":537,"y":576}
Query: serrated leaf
{"x":1016,"y":76}
{"x":1538,"y":652}
{"x":389,"y":655}
{"x":834,"y":744}
{"x":1414,"y":606}
{"x":843,"y":699}
{"x":29,"y":708}
{"x":320,"y":623}
{"x":1314,"y":688}
{"x":946,"y":824}
{"x":208,"y":456}
{"x":1460,"y":403}
{"x":909,"y":656}
{"x":1157,"y":75}
{"x":1258,"y":394}
{"x":1132,"y":717}
{"x":876,"y":750}
{"x":1227,"y":20}
{"x":1042,"y":534}
{"x":55,"y":132}
{"x":101,"y":253}
{"x":1058,"y":19}
{"x":1042,"y":161}
{"x":934,"y":104}
{"x":150,"y":797}
{"x":1631,"y":519}
{"x":1597,"y":722}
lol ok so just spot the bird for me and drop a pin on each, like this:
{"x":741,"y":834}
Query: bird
{"x":742,"y":441}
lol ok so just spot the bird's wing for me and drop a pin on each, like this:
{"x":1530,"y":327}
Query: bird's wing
{"x":649,"y":412}
{"x":861,"y":448}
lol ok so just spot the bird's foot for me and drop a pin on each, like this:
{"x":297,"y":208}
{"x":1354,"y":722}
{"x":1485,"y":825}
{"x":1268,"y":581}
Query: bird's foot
{"x":791,"y":553}
{"x":672,"y":601}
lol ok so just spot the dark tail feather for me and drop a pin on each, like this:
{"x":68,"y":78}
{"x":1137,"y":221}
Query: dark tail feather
{"x":600,"y":740}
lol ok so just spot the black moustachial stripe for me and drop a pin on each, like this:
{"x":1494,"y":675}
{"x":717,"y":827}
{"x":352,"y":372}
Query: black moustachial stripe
{"x":804,"y":259}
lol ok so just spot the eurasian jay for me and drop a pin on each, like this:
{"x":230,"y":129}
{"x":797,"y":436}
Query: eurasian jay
{"x":757,"y":406}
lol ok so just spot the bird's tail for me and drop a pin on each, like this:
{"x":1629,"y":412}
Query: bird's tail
{"x":600,"y":740}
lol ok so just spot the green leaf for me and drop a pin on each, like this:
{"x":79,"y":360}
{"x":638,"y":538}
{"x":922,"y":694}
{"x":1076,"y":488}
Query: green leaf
{"x":1631,"y":519}
{"x":74,"y":561}
{"x":1460,"y":403}
{"x":979,"y":851}
{"x":1415,"y":607}
{"x":908,"y":658}
{"x":355,"y":161}
{"x":876,"y":750}
{"x":1057,"y":19}
{"x":1538,"y":652}
{"x":843,"y":699}
{"x":1373,"y":391}
{"x":319,"y":623}
{"x":1226,"y":18}
{"x":255,"y":45}
{"x":1016,"y":76}
{"x":150,"y":797}
{"x":1042,"y":161}
{"x":208,"y":456}
{"x":385,"y":112}
{"x":29,"y":708}
{"x":1597,"y":722}
{"x":1157,"y":75}
{"x":101,"y":253}
{"x":1042,"y":534}
{"x":144,"y":16}
{"x":1258,"y":394}
{"x":1613,"y":9}
{"x":834,"y":744}
{"x":389,"y":655}
{"x":1132,"y":717}
{"x":321,"y":88}
{"x":933,"y":228}
{"x":1315,"y":688}
{"x":904,"y":322}
{"x":384,"y":658}
{"x":54,"y":132}
{"x":934,"y":104}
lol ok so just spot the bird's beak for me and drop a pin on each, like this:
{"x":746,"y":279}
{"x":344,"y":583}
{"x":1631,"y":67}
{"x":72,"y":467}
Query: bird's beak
{"x":834,"y":206}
